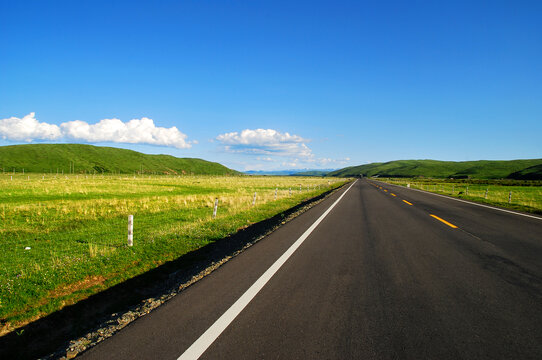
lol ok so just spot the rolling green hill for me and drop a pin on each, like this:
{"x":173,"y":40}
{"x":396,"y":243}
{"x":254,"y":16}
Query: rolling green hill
{"x":530,"y":173}
{"x":78,"y":158}
{"x":483,"y":169}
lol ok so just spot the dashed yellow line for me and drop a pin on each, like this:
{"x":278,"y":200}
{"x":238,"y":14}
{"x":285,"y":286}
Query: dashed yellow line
{"x":385,"y":190}
{"x":444,"y":221}
{"x":407,"y":202}
{"x":392,"y":194}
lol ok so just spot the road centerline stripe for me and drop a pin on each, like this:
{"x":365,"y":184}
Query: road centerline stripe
{"x":209,"y":336}
{"x":392,"y":194}
{"x":407,"y":202}
{"x":444,"y":221}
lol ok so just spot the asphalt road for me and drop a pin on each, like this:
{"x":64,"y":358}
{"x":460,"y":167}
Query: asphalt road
{"x":378,"y":278}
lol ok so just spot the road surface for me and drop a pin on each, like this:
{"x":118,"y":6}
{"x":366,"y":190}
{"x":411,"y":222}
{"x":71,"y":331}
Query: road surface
{"x":388,"y":273}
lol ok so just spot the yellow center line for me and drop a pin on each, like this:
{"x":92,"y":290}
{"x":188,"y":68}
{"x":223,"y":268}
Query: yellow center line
{"x":392,"y":194}
{"x":385,"y":190}
{"x":407,"y":202}
{"x":444,"y":221}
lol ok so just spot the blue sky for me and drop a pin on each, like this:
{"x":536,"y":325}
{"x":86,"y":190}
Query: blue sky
{"x":276,"y":84}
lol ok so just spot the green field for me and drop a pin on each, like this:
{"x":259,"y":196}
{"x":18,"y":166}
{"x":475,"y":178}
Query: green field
{"x":513,"y":194}
{"x":64,"y":238}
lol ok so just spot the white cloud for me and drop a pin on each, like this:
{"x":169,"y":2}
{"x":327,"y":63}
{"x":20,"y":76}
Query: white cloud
{"x":27,"y":129}
{"x":135,"y":131}
{"x":328,"y":161}
{"x":266,"y":142}
{"x":291,"y":164}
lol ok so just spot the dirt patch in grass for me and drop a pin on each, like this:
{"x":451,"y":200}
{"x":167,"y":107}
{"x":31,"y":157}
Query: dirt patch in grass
{"x":69,"y":289}
{"x":60,"y":292}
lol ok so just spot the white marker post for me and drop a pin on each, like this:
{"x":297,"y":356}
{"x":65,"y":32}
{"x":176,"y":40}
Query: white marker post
{"x":509,"y":197}
{"x":485,"y":196}
{"x":130,"y":230}
{"x":254,"y":199}
{"x":290,"y":192}
{"x":276,"y":189}
{"x":216,"y":208}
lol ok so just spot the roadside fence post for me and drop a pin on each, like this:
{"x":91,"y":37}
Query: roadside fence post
{"x":509,"y":197}
{"x":130,"y":230}
{"x":254,"y":199}
{"x":290,"y":192}
{"x":216,"y":208}
{"x":485,"y":196}
{"x":467,"y":191}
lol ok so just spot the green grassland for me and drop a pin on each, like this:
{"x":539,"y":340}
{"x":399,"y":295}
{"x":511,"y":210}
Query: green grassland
{"x":483,"y":169}
{"x":523,"y":195}
{"x":88,"y":159}
{"x":64,"y":238}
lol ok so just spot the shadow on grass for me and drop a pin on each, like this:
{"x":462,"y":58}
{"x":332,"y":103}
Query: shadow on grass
{"x":53,"y":332}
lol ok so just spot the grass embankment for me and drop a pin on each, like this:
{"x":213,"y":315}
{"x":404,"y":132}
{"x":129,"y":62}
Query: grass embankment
{"x":484,"y":169}
{"x":525,"y":195}
{"x":87,"y":159}
{"x":64,"y":238}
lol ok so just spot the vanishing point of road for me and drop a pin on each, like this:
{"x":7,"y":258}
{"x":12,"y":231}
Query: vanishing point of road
{"x":374,"y":271}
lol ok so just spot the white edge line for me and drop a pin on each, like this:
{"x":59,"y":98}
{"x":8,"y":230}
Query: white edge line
{"x":209,"y":336}
{"x":464,"y":201}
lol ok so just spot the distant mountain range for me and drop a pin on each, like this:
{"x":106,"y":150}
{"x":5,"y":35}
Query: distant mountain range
{"x":79,"y":158}
{"x":530,"y":169}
